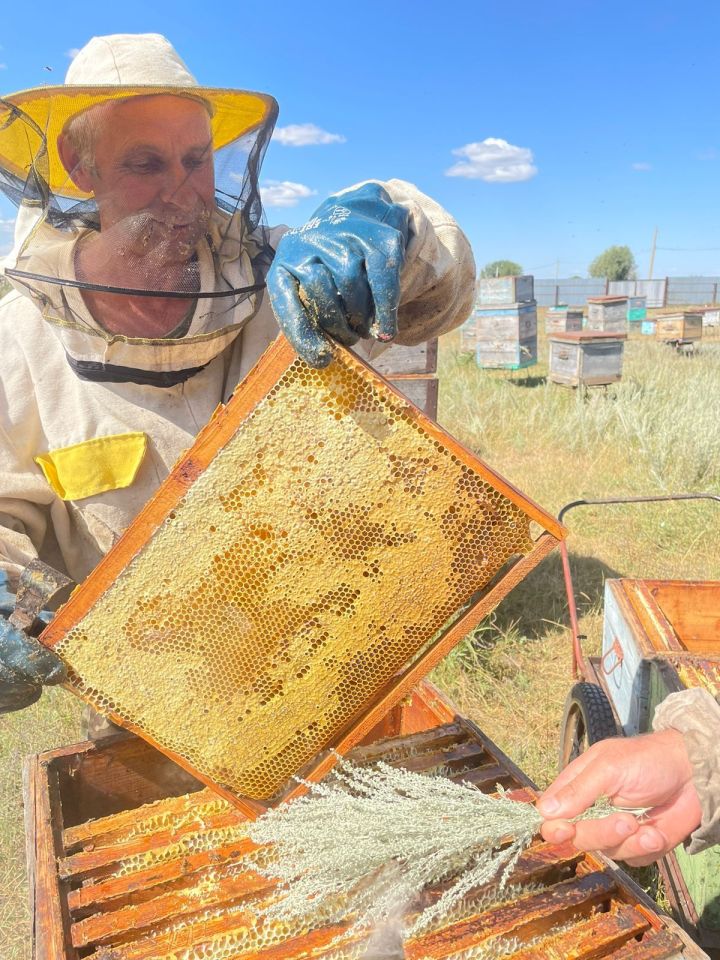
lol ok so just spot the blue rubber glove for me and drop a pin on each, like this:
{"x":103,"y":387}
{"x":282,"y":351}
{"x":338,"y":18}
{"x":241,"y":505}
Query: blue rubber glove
{"x":25,"y":665}
{"x":346,"y":260}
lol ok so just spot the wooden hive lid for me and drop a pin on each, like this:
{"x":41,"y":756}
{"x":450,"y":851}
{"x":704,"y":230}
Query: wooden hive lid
{"x":586,"y":336}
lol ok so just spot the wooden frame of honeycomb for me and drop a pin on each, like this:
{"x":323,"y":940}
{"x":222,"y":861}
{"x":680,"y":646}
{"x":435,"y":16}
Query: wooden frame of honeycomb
{"x":316,"y":552}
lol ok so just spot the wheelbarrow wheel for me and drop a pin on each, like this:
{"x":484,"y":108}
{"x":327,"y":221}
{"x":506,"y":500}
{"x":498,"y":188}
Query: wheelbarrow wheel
{"x":588,"y":718}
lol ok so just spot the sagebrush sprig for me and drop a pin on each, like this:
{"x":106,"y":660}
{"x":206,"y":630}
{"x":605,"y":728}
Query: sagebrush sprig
{"x":373,"y":838}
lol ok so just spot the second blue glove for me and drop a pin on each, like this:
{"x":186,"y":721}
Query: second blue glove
{"x":339,"y":274}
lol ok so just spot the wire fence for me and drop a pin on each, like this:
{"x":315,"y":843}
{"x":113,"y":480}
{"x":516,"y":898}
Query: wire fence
{"x":664,"y":292}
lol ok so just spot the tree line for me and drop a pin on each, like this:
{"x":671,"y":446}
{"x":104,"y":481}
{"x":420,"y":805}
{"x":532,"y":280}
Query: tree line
{"x":615,"y":263}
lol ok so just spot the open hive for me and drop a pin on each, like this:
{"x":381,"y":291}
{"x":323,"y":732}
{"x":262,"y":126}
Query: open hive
{"x":319,"y":548}
{"x":122,"y":872}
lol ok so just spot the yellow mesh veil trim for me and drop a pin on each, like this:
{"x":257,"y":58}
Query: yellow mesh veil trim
{"x":234,"y":113}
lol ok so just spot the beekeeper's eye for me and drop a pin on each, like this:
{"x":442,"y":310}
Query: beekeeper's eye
{"x":197,"y":159}
{"x":143,"y":162}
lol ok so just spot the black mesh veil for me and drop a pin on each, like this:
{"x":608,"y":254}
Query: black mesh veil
{"x":139,"y":218}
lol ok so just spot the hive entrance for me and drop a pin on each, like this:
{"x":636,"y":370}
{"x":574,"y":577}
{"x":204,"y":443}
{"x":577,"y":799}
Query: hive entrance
{"x":314,"y":543}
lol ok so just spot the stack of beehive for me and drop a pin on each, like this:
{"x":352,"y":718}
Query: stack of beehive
{"x":594,"y":356}
{"x":413,"y":371}
{"x":506,"y":323}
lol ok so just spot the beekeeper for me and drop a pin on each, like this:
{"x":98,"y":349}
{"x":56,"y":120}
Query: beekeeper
{"x":143,"y":281}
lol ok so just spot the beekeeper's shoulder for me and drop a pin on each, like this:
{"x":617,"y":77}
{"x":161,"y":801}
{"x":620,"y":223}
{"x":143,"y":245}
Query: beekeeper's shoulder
{"x":29,"y":349}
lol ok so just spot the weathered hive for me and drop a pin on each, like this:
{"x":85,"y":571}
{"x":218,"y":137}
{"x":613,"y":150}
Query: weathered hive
{"x":636,"y":309}
{"x":607,"y":314}
{"x":506,"y":336}
{"x":679,"y":327}
{"x":320,"y":547}
{"x":563,"y":319}
{"x":498,"y":290}
{"x":412,"y":371}
{"x":587,"y":358}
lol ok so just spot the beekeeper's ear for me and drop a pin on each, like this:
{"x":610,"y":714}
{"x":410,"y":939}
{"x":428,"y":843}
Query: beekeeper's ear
{"x":78,"y":170}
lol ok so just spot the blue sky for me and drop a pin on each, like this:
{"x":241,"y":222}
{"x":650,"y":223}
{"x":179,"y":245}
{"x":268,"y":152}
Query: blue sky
{"x":603,"y":117}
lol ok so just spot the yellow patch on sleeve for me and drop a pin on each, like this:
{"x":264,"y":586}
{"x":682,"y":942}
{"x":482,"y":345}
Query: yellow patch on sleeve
{"x":94,"y":466}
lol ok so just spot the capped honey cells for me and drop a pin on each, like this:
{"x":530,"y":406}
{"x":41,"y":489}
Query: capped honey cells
{"x":318,"y":553}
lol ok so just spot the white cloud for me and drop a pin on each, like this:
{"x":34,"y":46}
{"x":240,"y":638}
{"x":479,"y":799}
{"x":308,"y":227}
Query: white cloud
{"x":493,"y":160}
{"x":642,"y":167}
{"x":72,"y":52}
{"x":284,"y":193}
{"x":3,"y":66}
{"x":305,"y":135}
{"x":709,"y":154}
{"x":6,"y":225}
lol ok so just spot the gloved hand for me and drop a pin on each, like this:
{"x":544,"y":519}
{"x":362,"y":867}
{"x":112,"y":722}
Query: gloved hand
{"x":340,"y":273}
{"x":25,"y":665}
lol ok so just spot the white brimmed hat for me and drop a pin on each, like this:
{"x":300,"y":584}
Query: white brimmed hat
{"x":114,"y":68}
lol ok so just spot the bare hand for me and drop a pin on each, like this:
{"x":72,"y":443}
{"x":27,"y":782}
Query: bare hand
{"x":646,"y":771}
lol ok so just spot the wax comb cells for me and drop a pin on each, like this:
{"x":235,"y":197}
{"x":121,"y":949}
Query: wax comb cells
{"x":313,"y":542}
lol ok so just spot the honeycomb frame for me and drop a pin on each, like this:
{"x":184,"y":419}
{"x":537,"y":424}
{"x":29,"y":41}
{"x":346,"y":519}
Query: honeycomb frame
{"x":286,"y":568}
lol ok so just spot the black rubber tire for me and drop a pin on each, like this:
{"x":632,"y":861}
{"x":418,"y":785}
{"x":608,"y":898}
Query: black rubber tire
{"x":588,"y":718}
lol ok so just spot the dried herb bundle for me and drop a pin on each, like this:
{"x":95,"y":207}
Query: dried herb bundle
{"x":367,"y":843}
{"x":375,"y":837}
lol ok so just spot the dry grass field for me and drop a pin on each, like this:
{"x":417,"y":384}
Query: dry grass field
{"x":656,"y":431}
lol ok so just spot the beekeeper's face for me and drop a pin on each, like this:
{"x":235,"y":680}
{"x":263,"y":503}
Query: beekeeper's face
{"x":149,"y":163}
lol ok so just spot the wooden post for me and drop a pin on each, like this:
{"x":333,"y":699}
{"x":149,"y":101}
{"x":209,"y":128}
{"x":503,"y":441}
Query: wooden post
{"x":652,"y":254}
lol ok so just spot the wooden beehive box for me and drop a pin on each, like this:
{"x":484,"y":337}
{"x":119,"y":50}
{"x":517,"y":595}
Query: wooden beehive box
{"x":506,"y":354}
{"x":316,"y":552}
{"x":710,"y":317}
{"x":469,"y":335}
{"x":512,"y":321}
{"x":647,"y":328}
{"x":413,"y":371}
{"x":498,"y":290}
{"x":131,"y":860}
{"x":563,"y":319}
{"x":506,"y":336}
{"x":679,"y":327}
{"x":661,"y":636}
{"x":607,"y":314}
{"x":586,"y":358}
{"x":648,"y":619}
{"x":636,"y":309}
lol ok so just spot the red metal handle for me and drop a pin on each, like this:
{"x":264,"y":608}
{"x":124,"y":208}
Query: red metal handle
{"x":619,"y":653}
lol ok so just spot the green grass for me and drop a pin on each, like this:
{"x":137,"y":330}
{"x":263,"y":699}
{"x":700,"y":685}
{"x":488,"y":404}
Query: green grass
{"x":53,"y":721}
{"x":656,"y":432}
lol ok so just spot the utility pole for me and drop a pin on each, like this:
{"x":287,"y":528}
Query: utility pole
{"x":652,"y":255}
